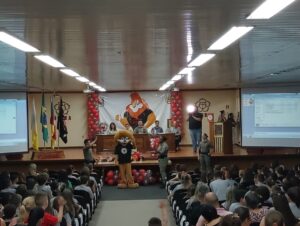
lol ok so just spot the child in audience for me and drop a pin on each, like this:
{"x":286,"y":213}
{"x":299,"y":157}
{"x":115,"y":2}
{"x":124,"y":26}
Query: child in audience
{"x":27,"y":205}
{"x":41,"y":185}
{"x":36,"y":216}
{"x":41,"y":200}
{"x":244,"y":215}
{"x":32,"y":171}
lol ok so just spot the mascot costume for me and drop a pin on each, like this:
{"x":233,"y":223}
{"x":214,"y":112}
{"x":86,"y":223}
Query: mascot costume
{"x":137,"y":110}
{"x":124,"y":144}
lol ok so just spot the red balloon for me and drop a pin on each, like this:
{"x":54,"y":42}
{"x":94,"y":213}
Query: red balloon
{"x":110,"y":174}
{"x":110,"y":182}
{"x":178,"y":113}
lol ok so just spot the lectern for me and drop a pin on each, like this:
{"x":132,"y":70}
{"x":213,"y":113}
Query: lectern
{"x":223,"y":137}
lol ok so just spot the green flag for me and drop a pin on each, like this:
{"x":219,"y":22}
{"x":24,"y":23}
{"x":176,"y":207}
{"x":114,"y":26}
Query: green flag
{"x":43,"y":120}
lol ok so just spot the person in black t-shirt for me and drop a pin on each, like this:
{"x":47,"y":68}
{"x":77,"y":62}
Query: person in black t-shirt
{"x":195,"y":127}
{"x":125,"y":143}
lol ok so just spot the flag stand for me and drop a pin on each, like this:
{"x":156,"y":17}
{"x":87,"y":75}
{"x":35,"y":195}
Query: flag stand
{"x":50,"y":153}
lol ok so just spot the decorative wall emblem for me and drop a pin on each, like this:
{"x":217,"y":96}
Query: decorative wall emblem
{"x":203,"y":105}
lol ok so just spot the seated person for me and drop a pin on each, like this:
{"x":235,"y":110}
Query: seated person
{"x":156,"y":129}
{"x":176,"y":130}
{"x":140,"y":129}
{"x":41,"y":200}
{"x":41,"y":185}
{"x":128,"y":127}
{"x":84,"y":185}
{"x":112,"y":129}
{"x":32,"y":171}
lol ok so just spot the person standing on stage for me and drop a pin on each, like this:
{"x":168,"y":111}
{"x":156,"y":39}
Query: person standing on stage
{"x":204,"y":157}
{"x":88,"y":151}
{"x":222,"y":117}
{"x":162,"y":152}
{"x":195,"y":127}
{"x":156,"y":129}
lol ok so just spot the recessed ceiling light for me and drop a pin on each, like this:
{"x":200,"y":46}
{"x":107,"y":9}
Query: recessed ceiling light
{"x":17,"y":43}
{"x":70,"y":72}
{"x":82,"y":79}
{"x":186,"y":70}
{"x":229,"y":37}
{"x":176,"y":77}
{"x":269,"y":8}
{"x":201,"y":59}
{"x":49,"y":60}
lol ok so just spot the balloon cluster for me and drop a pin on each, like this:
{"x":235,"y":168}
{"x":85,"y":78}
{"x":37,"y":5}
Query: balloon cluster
{"x":142,"y":176}
{"x":136,"y":156}
{"x":154,"y":143}
{"x":93,"y":114}
{"x":176,"y":108}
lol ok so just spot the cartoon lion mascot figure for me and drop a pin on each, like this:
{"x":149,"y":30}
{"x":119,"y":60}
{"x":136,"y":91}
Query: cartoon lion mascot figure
{"x":137,"y":110}
{"x":124,"y":144}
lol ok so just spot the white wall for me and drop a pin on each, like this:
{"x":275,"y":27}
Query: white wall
{"x":219,"y":99}
{"x":77,"y":126}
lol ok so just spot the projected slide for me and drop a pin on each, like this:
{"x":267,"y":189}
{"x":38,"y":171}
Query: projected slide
{"x":13,"y":123}
{"x":270,"y":119}
{"x":8,"y":116}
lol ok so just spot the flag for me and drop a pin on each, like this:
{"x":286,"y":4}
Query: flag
{"x":52,"y":123}
{"x":43,"y":120}
{"x":34,"y":130}
{"x":61,"y":125}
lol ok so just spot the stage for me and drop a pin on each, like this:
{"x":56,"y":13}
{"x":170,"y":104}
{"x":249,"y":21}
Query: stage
{"x":240,"y":157}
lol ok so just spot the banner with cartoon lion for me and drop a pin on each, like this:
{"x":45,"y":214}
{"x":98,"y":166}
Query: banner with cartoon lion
{"x":131,"y":107}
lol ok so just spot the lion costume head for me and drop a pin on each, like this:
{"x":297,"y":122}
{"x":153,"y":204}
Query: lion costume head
{"x":124,"y":137}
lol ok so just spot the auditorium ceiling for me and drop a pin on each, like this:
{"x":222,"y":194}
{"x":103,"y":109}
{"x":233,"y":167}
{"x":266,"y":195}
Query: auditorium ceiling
{"x":141,"y":44}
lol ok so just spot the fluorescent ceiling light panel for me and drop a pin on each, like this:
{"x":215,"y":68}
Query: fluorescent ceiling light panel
{"x":164,"y":87}
{"x":100,"y":88}
{"x":17,"y":43}
{"x":82,"y":79}
{"x":176,"y":77}
{"x":186,"y":70}
{"x":49,"y":60}
{"x":70,"y":72}
{"x":269,"y":8}
{"x":92,"y":84}
{"x":231,"y":36}
{"x":170,"y":82}
{"x":201,"y":59}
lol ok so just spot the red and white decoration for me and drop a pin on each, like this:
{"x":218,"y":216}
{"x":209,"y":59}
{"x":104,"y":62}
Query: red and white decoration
{"x":176,"y":109}
{"x":93,"y":115}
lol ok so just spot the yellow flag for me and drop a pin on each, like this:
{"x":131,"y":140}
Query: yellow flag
{"x":34,"y":130}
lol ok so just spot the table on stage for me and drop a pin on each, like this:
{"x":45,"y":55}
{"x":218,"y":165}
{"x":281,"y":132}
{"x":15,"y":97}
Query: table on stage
{"x":106,"y":143}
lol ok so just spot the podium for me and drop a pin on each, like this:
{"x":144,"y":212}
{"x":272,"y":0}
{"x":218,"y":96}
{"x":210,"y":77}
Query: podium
{"x":223,"y":137}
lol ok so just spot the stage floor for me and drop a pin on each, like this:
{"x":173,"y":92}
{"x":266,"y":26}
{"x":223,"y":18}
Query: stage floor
{"x":185,"y":155}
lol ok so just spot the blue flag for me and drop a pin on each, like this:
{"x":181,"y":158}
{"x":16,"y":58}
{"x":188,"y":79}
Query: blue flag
{"x":43,"y":120}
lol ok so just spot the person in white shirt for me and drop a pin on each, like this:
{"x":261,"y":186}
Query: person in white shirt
{"x":176,"y":130}
{"x":112,"y":130}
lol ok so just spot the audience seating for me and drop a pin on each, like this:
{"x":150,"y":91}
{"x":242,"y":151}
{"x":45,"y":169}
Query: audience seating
{"x":81,"y":197}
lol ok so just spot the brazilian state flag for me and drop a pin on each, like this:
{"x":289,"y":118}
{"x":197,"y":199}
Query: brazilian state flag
{"x":43,"y":120}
